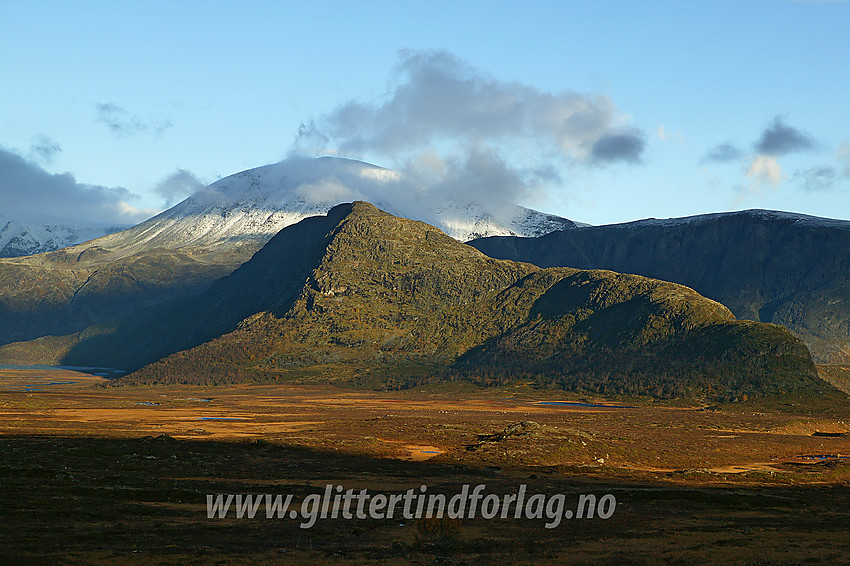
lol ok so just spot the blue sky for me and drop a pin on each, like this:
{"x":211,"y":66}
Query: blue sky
{"x":598,"y":111}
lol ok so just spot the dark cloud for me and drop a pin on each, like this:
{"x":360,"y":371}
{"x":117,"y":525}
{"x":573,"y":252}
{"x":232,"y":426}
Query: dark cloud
{"x":178,"y":185}
{"x":123,"y":124}
{"x":44,"y":149}
{"x":723,"y":153}
{"x":443,"y":111}
{"x":780,"y":139}
{"x":817,"y":179}
{"x":29,"y":192}
{"x":625,"y":146}
{"x":482,"y":174}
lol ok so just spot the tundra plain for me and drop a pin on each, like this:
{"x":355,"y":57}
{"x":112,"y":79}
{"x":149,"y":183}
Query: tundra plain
{"x":94,"y":473}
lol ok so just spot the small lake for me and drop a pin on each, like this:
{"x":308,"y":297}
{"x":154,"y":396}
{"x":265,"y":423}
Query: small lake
{"x":822,"y":457}
{"x":583,"y":405}
{"x":41,"y":377}
{"x":99,"y":371}
{"x":35,"y":386}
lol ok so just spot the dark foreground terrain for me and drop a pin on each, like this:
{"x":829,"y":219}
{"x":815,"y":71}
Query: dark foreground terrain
{"x":93,"y":474}
{"x":128,"y":501}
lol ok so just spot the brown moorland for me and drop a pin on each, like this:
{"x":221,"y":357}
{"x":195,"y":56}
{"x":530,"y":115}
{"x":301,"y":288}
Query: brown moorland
{"x":94,"y":474}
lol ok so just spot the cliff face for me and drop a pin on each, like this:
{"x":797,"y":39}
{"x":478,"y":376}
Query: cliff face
{"x":780,"y":268}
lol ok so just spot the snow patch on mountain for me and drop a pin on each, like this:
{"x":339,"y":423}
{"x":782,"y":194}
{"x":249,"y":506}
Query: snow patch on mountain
{"x":21,"y":239}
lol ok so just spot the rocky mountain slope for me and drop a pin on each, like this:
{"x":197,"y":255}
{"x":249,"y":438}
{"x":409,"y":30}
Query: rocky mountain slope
{"x":371,"y":298}
{"x":787,"y":269}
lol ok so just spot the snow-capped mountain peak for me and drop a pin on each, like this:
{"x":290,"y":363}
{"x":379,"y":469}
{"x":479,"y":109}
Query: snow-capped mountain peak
{"x":253,"y":205}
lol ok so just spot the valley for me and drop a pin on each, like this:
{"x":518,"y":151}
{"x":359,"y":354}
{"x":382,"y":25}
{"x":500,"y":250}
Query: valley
{"x":120,"y":474}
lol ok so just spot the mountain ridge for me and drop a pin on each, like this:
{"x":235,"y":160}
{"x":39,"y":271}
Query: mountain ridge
{"x":767,"y":266}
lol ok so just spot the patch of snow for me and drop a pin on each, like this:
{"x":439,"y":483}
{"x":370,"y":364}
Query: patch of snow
{"x":21,"y":239}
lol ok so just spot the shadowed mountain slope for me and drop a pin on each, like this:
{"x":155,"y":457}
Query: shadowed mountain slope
{"x":370,"y":298}
{"x":782,"y":268}
{"x":67,"y":290}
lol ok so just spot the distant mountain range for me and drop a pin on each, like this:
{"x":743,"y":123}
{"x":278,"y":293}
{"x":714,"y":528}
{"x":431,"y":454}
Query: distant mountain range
{"x":366,"y":297}
{"x":788,"y":269}
{"x":21,"y":239}
{"x":185,"y":248}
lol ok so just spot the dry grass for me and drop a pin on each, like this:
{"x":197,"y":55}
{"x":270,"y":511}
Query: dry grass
{"x":87,"y":477}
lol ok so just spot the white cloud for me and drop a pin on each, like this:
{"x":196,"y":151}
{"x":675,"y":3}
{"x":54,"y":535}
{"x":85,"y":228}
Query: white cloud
{"x":844,"y":158}
{"x":381,"y":175}
{"x":441,"y":98}
{"x":133,"y":215}
{"x":765,"y":169}
{"x":329,"y":190}
{"x":670,"y":136}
